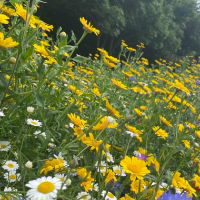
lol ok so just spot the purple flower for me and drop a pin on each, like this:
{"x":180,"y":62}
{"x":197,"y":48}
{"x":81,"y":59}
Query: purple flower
{"x":170,"y":196}
{"x":141,"y":157}
{"x":132,"y":78}
{"x":197,"y":82}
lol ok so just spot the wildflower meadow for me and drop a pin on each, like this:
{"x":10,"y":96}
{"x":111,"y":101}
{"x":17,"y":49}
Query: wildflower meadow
{"x":97,"y":127}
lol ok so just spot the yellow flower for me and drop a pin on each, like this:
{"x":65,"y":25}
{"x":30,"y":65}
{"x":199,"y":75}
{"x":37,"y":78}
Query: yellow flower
{"x":108,"y":63}
{"x":75,"y":90}
{"x":91,"y":141}
{"x":88,"y":27}
{"x":105,"y":122}
{"x":126,"y":197}
{"x":182,"y":184}
{"x":110,"y":176}
{"x":119,"y":84}
{"x":7,"y":42}
{"x":88,"y":180}
{"x":42,"y":50}
{"x":96,"y":92}
{"x":77,"y":120}
{"x":180,"y":86}
{"x":152,"y":160}
{"x":186,"y":144}
{"x":135,"y":167}
{"x":55,"y":165}
{"x":4,"y":19}
{"x":196,"y":180}
{"x":138,"y":186}
{"x":180,"y":127}
{"x":160,"y":132}
{"x":112,"y":110}
{"x":8,"y":11}
{"x":197,"y":132}
{"x":165,"y":121}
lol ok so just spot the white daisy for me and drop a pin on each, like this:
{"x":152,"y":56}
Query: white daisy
{"x":95,"y":187}
{"x":44,"y":188}
{"x":4,"y":145}
{"x":101,"y":167}
{"x":108,"y":195}
{"x":10,"y":165}
{"x":1,"y":113}
{"x":131,"y":134}
{"x":36,"y":133}
{"x":83,"y":196}
{"x":110,"y":119}
{"x":12,"y":176}
{"x":109,"y":157}
{"x":34,"y":122}
{"x":62,"y":177}
{"x":118,"y":170}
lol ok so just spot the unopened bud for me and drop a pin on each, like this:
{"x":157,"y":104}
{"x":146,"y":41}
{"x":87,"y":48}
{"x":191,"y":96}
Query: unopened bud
{"x":63,"y":34}
{"x":12,"y":60}
{"x":29,"y":164}
{"x":68,"y":182}
{"x":30,"y":109}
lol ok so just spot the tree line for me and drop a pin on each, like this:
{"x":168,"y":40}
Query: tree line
{"x":168,"y":28}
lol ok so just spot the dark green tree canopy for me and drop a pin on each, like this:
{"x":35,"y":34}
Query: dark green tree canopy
{"x":169,"y":28}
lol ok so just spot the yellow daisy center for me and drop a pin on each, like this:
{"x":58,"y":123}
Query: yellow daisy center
{"x":110,"y":195}
{"x":10,"y":165}
{"x":46,"y":187}
{"x":117,"y":171}
{"x":34,"y":123}
{"x":12,"y":177}
{"x":2,"y":146}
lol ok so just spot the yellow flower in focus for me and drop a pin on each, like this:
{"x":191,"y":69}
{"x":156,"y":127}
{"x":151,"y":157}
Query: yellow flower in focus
{"x":4,"y":19}
{"x":91,"y":141}
{"x":88,"y":27}
{"x":7,"y":42}
{"x":135,"y":167}
{"x":56,"y":165}
{"x":77,"y":120}
{"x":86,"y":176}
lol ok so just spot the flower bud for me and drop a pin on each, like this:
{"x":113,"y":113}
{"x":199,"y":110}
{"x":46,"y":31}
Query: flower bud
{"x":68,"y":182}
{"x":30,"y":109}
{"x":29,"y":164}
{"x":63,"y":34}
{"x":12,"y":60}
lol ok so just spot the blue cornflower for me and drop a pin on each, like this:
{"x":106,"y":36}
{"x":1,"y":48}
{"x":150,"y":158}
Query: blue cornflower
{"x":171,"y":196}
{"x":132,"y":78}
